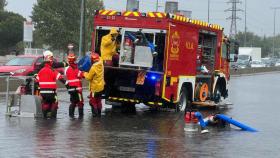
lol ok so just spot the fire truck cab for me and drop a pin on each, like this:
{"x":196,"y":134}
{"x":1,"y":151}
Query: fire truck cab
{"x":165,"y":60}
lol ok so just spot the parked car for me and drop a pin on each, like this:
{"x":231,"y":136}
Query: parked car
{"x":244,"y":61}
{"x":268,"y":62}
{"x":233,"y":65}
{"x":257,"y":64}
{"x":23,"y":65}
{"x":277,"y":63}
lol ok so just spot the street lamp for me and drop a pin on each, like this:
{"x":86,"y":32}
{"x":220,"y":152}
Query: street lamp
{"x":273,"y":49}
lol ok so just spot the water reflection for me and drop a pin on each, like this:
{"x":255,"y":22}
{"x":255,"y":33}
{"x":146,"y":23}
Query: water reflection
{"x":150,"y":134}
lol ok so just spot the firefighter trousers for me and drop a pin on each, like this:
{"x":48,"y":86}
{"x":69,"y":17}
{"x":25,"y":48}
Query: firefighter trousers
{"x":49,"y":103}
{"x":95,"y":103}
{"x":76,"y":99}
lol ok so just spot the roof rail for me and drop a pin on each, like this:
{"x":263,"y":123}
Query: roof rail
{"x":158,"y":15}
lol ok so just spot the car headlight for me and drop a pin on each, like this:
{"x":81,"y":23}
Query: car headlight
{"x":20,"y":71}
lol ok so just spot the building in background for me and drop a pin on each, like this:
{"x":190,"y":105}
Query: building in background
{"x":186,"y":13}
{"x":171,"y":7}
{"x":132,"y":5}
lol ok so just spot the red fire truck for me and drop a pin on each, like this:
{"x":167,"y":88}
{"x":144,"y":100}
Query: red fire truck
{"x":191,"y":65}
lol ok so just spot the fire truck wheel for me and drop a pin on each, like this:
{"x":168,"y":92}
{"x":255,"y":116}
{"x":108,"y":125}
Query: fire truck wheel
{"x":217,"y":93}
{"x":184,"y":101}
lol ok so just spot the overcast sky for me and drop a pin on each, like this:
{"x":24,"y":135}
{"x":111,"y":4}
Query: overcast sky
{"x":259,"y":13}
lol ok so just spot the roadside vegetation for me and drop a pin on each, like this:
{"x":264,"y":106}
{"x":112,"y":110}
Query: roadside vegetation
{"x":11,"y":30}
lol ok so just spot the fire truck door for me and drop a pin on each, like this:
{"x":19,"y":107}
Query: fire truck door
{"x":180,"y":58}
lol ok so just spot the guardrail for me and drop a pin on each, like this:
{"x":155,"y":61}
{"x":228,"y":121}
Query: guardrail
{"x":247,"y":71}
{"x":14,"y":84}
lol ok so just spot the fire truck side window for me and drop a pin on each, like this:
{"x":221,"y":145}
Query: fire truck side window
{"x":206,"y":45}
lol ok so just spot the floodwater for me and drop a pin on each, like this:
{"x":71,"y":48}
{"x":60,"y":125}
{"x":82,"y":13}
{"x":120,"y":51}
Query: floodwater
{"x":152,"y":134}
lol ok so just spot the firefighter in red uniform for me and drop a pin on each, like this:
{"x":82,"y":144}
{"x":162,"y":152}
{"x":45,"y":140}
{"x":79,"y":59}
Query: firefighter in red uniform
{"x":96,"y":78}
{"x":73,"y":79}
{"x":47,"y":77}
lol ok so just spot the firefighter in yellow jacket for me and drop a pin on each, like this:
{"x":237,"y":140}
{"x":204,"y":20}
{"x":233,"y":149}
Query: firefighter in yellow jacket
{"x":96,"y":78}
{"x":109,"y":46}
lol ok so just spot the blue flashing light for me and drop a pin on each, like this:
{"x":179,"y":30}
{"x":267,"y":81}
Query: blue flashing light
{"x":153,"y":77}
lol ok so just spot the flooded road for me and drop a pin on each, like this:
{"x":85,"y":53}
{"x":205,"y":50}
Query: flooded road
{"x":152,"y":134}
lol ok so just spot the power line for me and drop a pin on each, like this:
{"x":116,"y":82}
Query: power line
{"x":233,"y":17}
{"x":273,"y":49}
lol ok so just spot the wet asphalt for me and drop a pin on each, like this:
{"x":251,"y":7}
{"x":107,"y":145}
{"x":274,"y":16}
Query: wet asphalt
{"x":152,"y":134}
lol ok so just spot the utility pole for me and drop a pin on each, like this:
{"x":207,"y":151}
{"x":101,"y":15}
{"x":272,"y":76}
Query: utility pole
{"x":233,"y":17}
{"x":82,"y":21}
{"x":245,"y":31}
{"x":274,"y":22}
{"x":208,"y":19}
{"x":157,"y":6}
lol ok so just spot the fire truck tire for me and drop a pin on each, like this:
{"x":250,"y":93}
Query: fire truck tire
{"x":184,"y":102}
{"x":217,"y":93}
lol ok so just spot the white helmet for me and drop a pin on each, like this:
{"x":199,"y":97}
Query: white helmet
{"x":47,"y":53}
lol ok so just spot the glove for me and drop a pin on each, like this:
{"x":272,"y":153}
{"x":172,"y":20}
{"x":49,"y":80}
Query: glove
{"x":67,"y":86}
{"x":65,"y":63}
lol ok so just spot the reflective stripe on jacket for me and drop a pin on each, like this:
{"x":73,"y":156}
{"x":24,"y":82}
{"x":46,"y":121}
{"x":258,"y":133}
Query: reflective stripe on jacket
{"x":47,"y":77}
{"x":73,"y":76}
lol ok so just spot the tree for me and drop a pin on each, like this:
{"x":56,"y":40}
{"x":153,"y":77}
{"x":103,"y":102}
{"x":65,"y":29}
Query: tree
{"x":11,"y":31}
{"x":3,"y":3}
{"x":57,"y":22}
{"x":266,"y":43}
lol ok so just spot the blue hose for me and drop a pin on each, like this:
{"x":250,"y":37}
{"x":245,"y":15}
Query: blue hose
{"x":236,"y":123}
{"x":202,"y":123}
{"x":225,"y":118}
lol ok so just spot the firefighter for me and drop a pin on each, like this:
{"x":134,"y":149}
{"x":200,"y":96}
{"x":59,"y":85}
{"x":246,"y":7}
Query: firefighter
{"x":73,"y":79}
{"x":47,"y":77}
{"x":109,"y":46}
{"x":53,"y":65}
{"x":96,"y":78}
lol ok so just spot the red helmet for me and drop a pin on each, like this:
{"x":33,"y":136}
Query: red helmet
{"x":94,"y":57}
{"x":71,"y":58}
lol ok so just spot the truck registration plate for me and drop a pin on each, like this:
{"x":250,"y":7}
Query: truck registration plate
{"x":127,"y":89}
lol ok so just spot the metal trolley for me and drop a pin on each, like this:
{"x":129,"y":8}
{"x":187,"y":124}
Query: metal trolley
{"x":20,"y":98}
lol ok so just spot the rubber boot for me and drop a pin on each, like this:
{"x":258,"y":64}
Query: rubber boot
{"x":81,"y":112}
{"x":53,"y":113}
{"x":94,"y":111}
{"x":71,"y":111}
{"x":99,"y":112}
{"x":45,"y":114}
